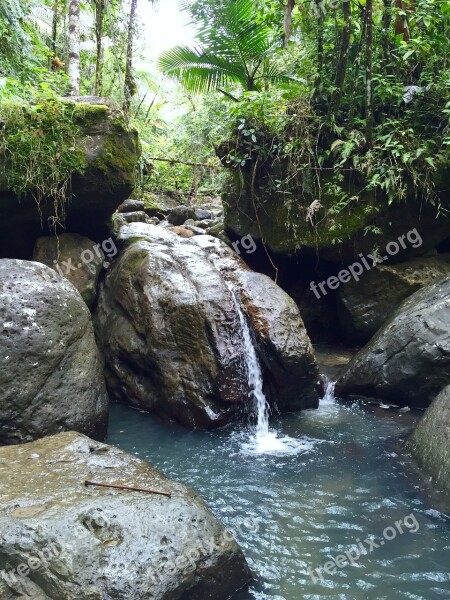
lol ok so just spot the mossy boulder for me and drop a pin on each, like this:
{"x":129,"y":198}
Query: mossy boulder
{"x":104,"y":175}
{"x":430,"y":441}
{"x":159,"y":205}
{"x":296,"y":223}
{"x":168,"y":321}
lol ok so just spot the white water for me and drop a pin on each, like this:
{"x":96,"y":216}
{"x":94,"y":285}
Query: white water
{"x":329,"y":391}
{"x":263,"y":439}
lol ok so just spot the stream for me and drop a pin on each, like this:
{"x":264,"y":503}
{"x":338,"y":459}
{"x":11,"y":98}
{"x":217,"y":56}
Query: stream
{"x":345,"y":480}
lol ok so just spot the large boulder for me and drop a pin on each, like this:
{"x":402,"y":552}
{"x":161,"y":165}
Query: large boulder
{"x":112,"y":151}
{"x":408,"y":360}
{"x":285,"y":349}
{"x":430,"y":441}
{"x":75,"y":257}
{"x":364,"y":305}
{"x":168,"y":325}
{"x":51,"y":378}
{"x":297,"y":223}
{"x":62,"y":540}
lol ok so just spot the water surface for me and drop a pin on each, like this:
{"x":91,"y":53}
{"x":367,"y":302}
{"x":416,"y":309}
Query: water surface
{"x":349,"y":481}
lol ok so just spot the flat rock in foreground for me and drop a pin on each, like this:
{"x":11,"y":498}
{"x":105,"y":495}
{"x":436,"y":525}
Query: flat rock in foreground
{"x":61,"y":540}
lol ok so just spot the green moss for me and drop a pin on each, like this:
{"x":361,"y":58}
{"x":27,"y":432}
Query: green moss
{"x":40,"y":149}
{"x":119,"y":157}
{"x":283,"y":218}
{"x":88,"y":115}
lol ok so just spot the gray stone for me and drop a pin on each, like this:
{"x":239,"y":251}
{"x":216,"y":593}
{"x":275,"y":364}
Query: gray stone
{"x":75,"y":257}
{"x":64,"y":541}
{"x":430,"y":441}
{"x":364,"y":305}
{"x":408,"y":360}
{"x":200,"y":214}
{"x":168,"y":327}
{"x":130,"y":205}
{"x":180,"y":214}
{"x":51,"y":377}
{"x":159,"y":205}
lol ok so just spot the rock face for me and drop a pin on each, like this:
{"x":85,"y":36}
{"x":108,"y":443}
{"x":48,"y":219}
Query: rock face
{"x":112,"y":152}
{"x":334,"y":237}
{"x":65,"y":541}
{"x":364,"y":305}
{"x":168,"y":326}
{"x":408,"y":360}
{"x":430,"y":441}
{"x":75,"y":257}
{"x":51,"y":376}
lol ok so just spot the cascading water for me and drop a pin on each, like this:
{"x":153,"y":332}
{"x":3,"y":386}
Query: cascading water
{"x":329,"y":386}
{"x":263,"y":440}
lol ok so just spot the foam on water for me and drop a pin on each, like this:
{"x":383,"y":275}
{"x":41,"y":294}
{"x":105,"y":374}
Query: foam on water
{"x":262,"y":439}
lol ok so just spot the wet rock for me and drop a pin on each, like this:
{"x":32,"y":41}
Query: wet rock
{"x":168,"y":327}
{"x":190,"y":224}
{"x":118,"y":220}
{"x":131,"y":206}
{"x":112,"y":152}
{"x":364,"y":305}
{"x":200,"y":214}
{"x":408,"y":360}
{"x":204,"y":224}
{"x":64,"y":541}
{"x":180,"y":214}
{"x":159,"y":205}
{"x":430,"y":441}
{"x":285,"y":350}
{"x":51,"y":377}
{"x":77,"y":258}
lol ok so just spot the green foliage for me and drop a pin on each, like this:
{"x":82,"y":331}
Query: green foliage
{"x":22,"y":47}
{"x":39,"y":145}
{"x":236,"y":48}
{"x":190,"y":136}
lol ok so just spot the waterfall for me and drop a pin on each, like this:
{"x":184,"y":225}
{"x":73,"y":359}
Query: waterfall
{"x":255,"y":378}
{"x":329,"y":386}
{"x":262,"y":438}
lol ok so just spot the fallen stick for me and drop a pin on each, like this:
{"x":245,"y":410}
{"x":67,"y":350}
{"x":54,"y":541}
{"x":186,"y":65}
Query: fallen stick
{"x":125,"y":487}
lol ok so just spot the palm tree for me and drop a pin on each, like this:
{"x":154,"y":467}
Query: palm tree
{"x":237,"y":49}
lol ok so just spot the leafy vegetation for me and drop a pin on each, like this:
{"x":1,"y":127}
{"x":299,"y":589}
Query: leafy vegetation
{"x":39,"y":146}
{"x":323,"y":104}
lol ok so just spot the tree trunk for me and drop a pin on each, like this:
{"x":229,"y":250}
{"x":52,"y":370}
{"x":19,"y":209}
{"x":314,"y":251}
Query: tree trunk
{"x":386,"y":22}
{"x":129,"y":88}
{"x":55,"y":20}
{"x":73,"y":67}
{"x":341,"y":67}
{"x":401,"y":23}
{"x":99,"y":18}
{"x":288,"y":8}
{"x":369,"y":91}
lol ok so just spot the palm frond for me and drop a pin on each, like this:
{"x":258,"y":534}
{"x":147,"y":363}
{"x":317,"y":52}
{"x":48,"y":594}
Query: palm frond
{"x":232,"y":49}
